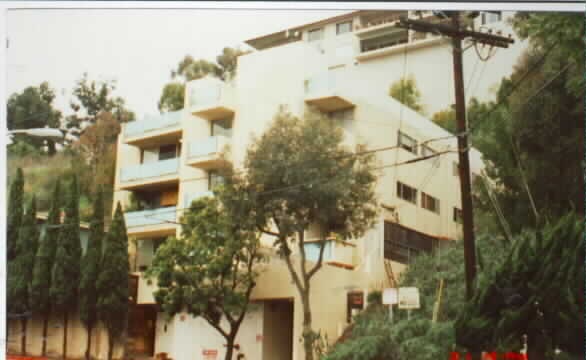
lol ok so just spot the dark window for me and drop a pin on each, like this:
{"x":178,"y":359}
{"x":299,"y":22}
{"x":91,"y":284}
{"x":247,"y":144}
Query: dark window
{"x":169,"y":151}
{"x":221,"y":127}
{"x":457,"y":217}
{"x":214,"y":179}
{"x":427,"y":151}
{"x":344,"y":27}
{"x":156,"y":243}
{"x":430,"y":203}
{"x":406,"y":192}
{"x":407,"y":142}
{"x":402,"y":244}
{"x":491,"y":17}
{"x":396,"y":38}
{"x":355,"y":303}
{"x":315,"y":34}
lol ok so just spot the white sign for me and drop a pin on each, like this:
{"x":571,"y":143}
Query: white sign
{"x":390,"y":296}
{"x":408,"y":298}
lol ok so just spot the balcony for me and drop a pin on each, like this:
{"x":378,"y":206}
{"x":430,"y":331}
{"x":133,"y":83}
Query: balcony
{"x":323,"y":91}
{"x":154,"y":130}
{"x":195,"y":196}
{"x":156,"y":173}
{"x":152,"y":223}
{"x":210,"y":99}
{"x":378,"y":25}
{"x":206,"y":154}
{"x":336,"y":253}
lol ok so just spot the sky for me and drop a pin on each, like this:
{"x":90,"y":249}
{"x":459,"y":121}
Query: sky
{"x":137,"y":48}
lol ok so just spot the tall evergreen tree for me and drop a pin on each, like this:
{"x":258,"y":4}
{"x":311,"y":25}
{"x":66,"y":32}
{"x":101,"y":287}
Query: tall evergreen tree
{"x":15,"y":213}
{"x":90,"y":270}
{"x":65,"y":280}
{"x":20,"y":270}
{"x":112,"y":283}
{"x":41,"y":283}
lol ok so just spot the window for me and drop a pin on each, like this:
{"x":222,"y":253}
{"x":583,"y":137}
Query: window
{"x":315,"y":34}
{"x":430,"y":203}
{"x":221,"y":127}
{"x":344,"y":27}
{"x":379,"y":42}
{"x":156,"y":243}
{"x":457,"y":215}
{"x":214,"y":179}
{"x":312,"y":250}
{"x":169,"y":151}
{"x":491,"y":17}
{"x":402,"y":244}
{"x":355,"y":304}
{"x":427,"y":151}
{"x":406,"y":192}
{"x":407,"y":143}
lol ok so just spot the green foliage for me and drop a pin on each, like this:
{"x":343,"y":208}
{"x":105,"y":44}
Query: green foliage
{"x":475,"y":113}
{"x":112,"y":284}
{"x":66,"y":269}
{"x":90,"y":267}
{"x":173,"y":97}
{"x":406,"y":92}
{"x":41,"y":283}
{"x":211,"y":271}
{"x":15,"y":214}
{"x":33,"y":108}
{"x":538,"y":290}
{"x":20,"y":269}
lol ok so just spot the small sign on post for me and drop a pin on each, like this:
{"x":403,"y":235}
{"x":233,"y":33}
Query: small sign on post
{"x":408,"y":298}
{"x":390,"y":297}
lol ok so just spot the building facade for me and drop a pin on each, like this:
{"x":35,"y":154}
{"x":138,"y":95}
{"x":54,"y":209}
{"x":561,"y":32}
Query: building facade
{"x":343,"y":67}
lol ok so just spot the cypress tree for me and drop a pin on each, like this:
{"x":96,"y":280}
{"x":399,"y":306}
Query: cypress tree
{"x":45,"y":257}
{"x":15,"y":213}
{"x":113,"y":281}
{"x":20,"y":270}
{"x":90,"y":269}
{"x":65,"y":277}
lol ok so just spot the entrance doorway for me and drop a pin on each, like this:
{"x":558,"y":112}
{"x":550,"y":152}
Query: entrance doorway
{"x":278,"y":330}
{"x":141,"y":330}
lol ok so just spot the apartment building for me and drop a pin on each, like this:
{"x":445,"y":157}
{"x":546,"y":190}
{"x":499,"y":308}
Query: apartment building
{"x":343,"y":67}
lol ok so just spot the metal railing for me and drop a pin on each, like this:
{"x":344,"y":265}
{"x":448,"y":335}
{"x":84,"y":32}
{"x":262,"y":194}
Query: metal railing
{"x":153,"y":123}
{"x":149,"y":170}
{"x":150,"y":217}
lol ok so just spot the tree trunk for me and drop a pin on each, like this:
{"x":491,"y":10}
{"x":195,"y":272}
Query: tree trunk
{"x":45,"y":327}
{"x":308,"y":339}
{"x":65,"y":318}
{"x":536,"y":346}
{"x":23,"y":321}
{"x":229,"y":347}
{"x":89,"y":343}
{"x":110,"y":346}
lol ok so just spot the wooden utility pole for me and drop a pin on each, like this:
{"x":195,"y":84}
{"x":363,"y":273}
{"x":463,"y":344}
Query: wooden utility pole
{"x":457,"y":34}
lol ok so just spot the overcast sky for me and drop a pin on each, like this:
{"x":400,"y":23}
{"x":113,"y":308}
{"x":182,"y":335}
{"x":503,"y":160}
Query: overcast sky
{"x":137,"y":48}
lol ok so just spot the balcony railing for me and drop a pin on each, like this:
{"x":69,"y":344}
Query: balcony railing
{"x":206,"y":153}
{"x":195,"y":196}
{"x":323,"y":91}
{"x":164,"y":215}
{"x":153,"y":123}
{"x":210,"y":99}
{"x":150,"y":170}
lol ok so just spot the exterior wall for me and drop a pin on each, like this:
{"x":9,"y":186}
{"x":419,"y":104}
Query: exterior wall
{"x":277,"y":76}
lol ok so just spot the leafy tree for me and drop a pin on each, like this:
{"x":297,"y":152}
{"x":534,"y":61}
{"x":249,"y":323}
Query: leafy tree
{"x":211,"y":271}
{"x":303,"y":176}
{"x":93,"y":98}
{"x":66,"y":268}
{"x":406,"y":92}
{"x":20,"y":270}
{"x":537,"y":291}
{"x":41,"y":283}
{"x":33,"y":108}
{"x":112,"y":284}
{"x":15,"y":213}
{"x":173,"y":96}
{"x":475,"y":113}
{"x":90,"y":270}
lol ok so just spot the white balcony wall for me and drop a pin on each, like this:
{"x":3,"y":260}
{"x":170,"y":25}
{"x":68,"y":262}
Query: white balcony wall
{"x":150,"y":170}
{"x":150,"y":217}
{"x":213,"y":145}
{"x":153,"y":123}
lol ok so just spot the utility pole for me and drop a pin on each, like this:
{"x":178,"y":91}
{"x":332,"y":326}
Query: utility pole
{"x":457,"y":34}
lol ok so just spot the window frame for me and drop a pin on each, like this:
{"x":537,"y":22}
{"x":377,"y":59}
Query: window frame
{"x":401,"y":188}
{"x":457,"y":215}
{"x":491,"y":17}
{"x":401,"y":137}
{"x":218,"y":121}
{"x":427,"y":201}
{"x":401,"y":244}
{"x":319,"y":31}
{"x":339,"y":26}
{"x":176,"y":151}
{"x":213,"y":174}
